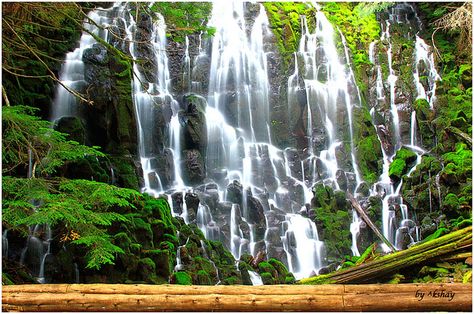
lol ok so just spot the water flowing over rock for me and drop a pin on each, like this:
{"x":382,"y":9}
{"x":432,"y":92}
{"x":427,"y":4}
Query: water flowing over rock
{"x":199,"y":115}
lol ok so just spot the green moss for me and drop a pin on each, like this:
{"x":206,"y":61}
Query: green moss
{"x":289,"y":279}
{"x":401,"y":163}
{"x":438,"y":233}
{"x":124,"y":171}
{"x":332,"y":221}
{"x":6,"y":281}
{"x":171,"y":239}
{"x":203,"y":278}
{"x":148,"y":262}
{"x":368,"y":153}
{"x":230,"y":280}
{"x":451,"y":202}
{"x":397,"y":168}
{"x":160,"y":209}
{"x":266,"y":267}
{"x":360,"y":27}
{"x":284,"y":19}
{"x":182,"y":278}
{"x":279,"y":266}
{"x":267,"y":278}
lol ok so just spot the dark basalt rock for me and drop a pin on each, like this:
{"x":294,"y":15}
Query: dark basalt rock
{"x":164,"y":165}
{"x":177,"y":202}
{"x":234,"y":192}
{"x":111,"y":121}
{"x":194,"y":120}
{"x":192,"y":204}
{"x":341,"y":179}
{"x":193,"y":166}
{"x":73,"y":126}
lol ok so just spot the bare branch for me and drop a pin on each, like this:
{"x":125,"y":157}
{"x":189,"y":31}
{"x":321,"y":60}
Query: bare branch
{"x":53,"y":76}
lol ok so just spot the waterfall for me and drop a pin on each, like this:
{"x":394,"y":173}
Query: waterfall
{"x":262,"y":192}
{"x":255,"y":278}
{"x":37,"y":250}
{"x":71,"y":73}
{"x":423,"y":65}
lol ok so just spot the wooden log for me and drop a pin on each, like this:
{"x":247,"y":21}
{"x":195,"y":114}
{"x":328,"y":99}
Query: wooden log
{"x":444,"y":297}
{"x":388,"y":264}
{"x":369,"y":222}
{"x":144,"y":289}
{"x":461,"y":134}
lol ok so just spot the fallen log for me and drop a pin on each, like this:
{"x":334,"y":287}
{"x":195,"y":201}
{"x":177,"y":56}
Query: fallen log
{"x":461,"y":134}
{"x":369,"y":222}
{"x":390,"y":263}
{"x":123,"y":298}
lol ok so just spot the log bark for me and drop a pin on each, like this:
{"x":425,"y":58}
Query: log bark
{"x":389,"y":264}
{"x":369,"y":222}
{"x":123,"y":298}
{"x":461,"y":134}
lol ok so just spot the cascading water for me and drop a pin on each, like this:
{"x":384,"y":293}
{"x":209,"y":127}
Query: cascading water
{"x":72,"y":70}
{"x":423,"y":63}
{"x":262,"y":188}
{"x":255,"y":278}
{"x":424,"y":66}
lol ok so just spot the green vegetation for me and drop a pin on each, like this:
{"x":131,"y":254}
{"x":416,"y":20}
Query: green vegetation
{"x":285,"y":21}
{"x":182,"y":278}
{"x":185,"y":18}
{"x":401,"y":163}
{"x":333,"y":219}
{"x":358,"y":24}
{"x":35,"y":38}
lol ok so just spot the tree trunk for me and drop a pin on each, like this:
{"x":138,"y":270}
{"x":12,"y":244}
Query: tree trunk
{"x":123,"y":298}
{"x":369,"y":222}
{"x":388,"y":264}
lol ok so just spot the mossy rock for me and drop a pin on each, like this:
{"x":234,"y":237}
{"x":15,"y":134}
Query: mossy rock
{"x":181,"y":278}
{"x":266,"y":267}
{"x":160,"y":209}
{"x":142,"y":232}
{"x":281,"y":269}
{"x":243,"y":266}
{"x":122,"y":240}
{"x":147,"y":269}
{"x":74,"y":127}
{"x":397,"y":169}
{"x":6,"y":281}
{"x":124,"y":169}
{"x":231,"y":281}
{"x":322,"y":195}
{"x":289,"y":279}
{"x":267,"y":278}
{"x":205,"y":265}
{"x":202,"y":278}
{"x":164,"y":260}
{"x":401,"y":163}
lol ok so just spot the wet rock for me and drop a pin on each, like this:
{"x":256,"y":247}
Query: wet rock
{"x":234,"y":192}
{"x":177,"y":202}
{"x":341,"y":179}
{"x":194,"y":169}
{"x":363,"y":189}
{"x":73,"y":126}
{"x":273,"y":236}
{"x":192,"y":204}
{"x":194,"y":131}
{"x":403,"y":238}
{"x":255,"y":211}
{"x":165,"y":167}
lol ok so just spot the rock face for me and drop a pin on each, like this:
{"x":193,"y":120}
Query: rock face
{"x":73,"y":126}
{"x":194,"y":138}
{"x":111,"y":119}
